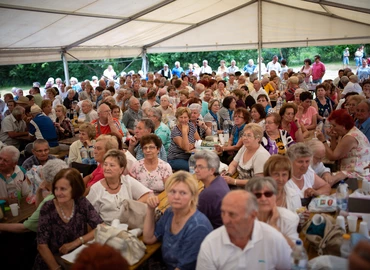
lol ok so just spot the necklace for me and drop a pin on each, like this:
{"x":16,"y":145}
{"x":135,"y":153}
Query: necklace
{"x":64,"y":215}
{"x":113,"y":188}
{"x":301,"y":178}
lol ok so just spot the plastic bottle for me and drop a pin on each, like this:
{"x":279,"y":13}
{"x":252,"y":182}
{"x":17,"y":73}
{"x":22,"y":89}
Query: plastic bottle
{"x":84,"y":155}
{"x":342,"y":197}
{"x":226,"y":130}
{"x":66,"y":160}
{"x":75,"y":117}
{"x":325,"y":115}
{"x":299,"y":257}
{"x":279,"y":104}
{"x":192,"y":163}
{"x":345,"y":248}
{"x":214,"y":128}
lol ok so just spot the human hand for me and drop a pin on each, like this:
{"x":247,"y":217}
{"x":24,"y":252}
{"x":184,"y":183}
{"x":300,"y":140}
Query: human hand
{"x":359,"y":258}
{"x":310,"y":192}
{"x":110,"y":118}
{"x":134,"y":141}
{"x":184,"y":128}
{"x":66,"y":248}
{"x":57,"y":125}
{"x":320,"y":136}
{"x":152,"y":202}
{"x":218,"y":148}
{"x":229,"y":180}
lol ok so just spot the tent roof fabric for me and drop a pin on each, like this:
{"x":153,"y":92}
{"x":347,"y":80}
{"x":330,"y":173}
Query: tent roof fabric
{"x":40,"y":30}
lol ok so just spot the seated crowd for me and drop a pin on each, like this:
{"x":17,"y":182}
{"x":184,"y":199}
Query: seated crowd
{"x":137,"y":136}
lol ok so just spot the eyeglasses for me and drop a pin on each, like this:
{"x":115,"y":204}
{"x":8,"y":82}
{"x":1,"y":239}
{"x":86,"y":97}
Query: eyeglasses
{"x":267,"y":194}
{"x":200,"y":167}
{"x":248,"y":136}
{"x":150,"y":147}
{"x":269,"y":123}
{"x":238,"y":116}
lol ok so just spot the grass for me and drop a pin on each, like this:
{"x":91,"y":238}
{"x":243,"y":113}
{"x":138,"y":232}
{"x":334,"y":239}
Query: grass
{"x":8,"y":89}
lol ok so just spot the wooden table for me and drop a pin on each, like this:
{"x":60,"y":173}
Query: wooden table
{"x":25,"y":211}
{"x":69,"y":141}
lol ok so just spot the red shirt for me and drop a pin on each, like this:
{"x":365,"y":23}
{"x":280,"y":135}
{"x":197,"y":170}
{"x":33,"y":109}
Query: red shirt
{"x":100,"y":129}
{"x":97,"y":175}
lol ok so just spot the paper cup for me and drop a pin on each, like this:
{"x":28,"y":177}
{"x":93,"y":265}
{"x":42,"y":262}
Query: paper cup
{"x":14,"y":209}
{"x":363,"y":229}
{"x":341,"y":222}
{"x":222,"y":140}
{"x":366,"y":218}
{"x":352,"y":223}
{"x":215,"y":139}
{"x":318,"y":219}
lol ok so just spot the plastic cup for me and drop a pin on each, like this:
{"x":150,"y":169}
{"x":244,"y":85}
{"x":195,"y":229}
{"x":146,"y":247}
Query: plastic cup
{"x":222,"y":140}
{"x":341,"y":222}
{"x":14,"y":209}
{"x":365,"y":186}
{"x":352,"y":223}
{"x":363,"y":229}
{"x":215,"y":139}
{"x":318,"y":219}
{"x":366,"y":218}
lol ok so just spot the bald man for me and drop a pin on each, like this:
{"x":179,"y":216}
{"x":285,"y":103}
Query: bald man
{"x":106,"y":124}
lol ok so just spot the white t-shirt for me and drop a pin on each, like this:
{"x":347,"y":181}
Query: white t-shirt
{"x":293,"y":199}
{"x":309,"y":181}
{"x":272,"y":66}
{"x":352,"y":87}
{"x":109,"y":205}
{"x":254,"y":165}
{"x":288,"y":223}
{"x":267,"y":249}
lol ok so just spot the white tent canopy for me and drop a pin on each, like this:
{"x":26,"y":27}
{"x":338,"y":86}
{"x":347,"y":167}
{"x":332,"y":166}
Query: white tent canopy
{"x":41,"y":30}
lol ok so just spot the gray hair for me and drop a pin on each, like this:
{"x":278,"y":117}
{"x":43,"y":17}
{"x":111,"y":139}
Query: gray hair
{"x":14,"y":152}
{"x":165,"y":97}
{"x":143,"y":91}
{"x":51,"y":168}
{"x":366,"y":101}
{"x":212,"y":159}
{"x":18,"y":110}
{"x":149,"y":124}
{"x":71,"y":91}
{"x":299,"y":150}
{"x":83,"y":95}
{"x":39,"y":141}
{"x":106,"y":92}
{"x":88,"y":101}
{"x":315,"y":145}
{"x":195,"y":106}
{"x":258,"y":183}
{"x":157,"y":113}
{"x":344,"y":79}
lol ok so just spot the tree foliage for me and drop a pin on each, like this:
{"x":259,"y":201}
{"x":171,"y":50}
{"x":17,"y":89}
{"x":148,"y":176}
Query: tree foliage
{"x":26,"y":74}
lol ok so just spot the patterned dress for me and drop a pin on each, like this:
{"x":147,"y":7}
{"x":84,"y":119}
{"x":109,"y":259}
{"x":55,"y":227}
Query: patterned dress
{"x":352,"y":165}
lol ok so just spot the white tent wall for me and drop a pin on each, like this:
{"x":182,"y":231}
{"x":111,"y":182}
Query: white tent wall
{"x":39,"y":30}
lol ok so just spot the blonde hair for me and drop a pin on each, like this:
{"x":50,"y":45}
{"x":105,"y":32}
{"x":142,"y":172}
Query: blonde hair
{"x":180,"y":111}
{"x":64,"y":109}
{"x":89,"y":129}
{"x":110,"y":142}
{"x":187,"y":179}
{"x":277,"y":163}
{"x":256,"y":129}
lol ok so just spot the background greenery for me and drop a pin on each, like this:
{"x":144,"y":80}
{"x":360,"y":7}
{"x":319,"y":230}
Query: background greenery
{"x":17,"y":75}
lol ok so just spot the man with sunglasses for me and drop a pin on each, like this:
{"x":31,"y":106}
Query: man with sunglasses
{"x":243,"y":241}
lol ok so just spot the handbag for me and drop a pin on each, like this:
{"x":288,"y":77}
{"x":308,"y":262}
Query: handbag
{"x":133,"y":213}
{"x":330,"y":243}
{"x":131,"y":248}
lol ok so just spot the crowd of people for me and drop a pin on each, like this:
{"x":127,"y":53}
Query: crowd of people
{"x":138,"y":133}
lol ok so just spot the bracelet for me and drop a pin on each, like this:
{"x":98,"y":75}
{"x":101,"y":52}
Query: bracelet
{"x":235,"y":182}
{"x":82,"y":240}
{"x":324,"y":141}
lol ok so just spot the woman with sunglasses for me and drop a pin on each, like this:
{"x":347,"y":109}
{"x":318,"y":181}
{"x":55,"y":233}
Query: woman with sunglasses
{"x":283,"y":220}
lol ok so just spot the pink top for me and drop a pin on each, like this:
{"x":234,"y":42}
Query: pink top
{"x":317,"y":70}
{"x":308,"y":72}
{"x":97,"y":175}
{"x":306,"y":118}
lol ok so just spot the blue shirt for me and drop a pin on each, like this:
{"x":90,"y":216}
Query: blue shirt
{"x":249,"y":69}
{"x":42,"y":127}
{"x":177,"y":71}
{"x":204,"y":110}
{"x":181,"y":250}
{"x":363,"y":73}
{"x":364,"y":127}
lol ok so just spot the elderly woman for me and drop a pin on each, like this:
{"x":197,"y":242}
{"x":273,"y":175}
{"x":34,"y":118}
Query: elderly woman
{"x":363,"y":117}
{"x":149,"y":103}
{"x":307,"y":69}
{"x":166,"y":109}
{"x":307,"y":114}
{"x":250,"y":158}
{"x":71,"y":96}
{"x":275,"y":140}
{"x":182,"y":228}
{"x":304,"y":180}
{"x":117,"y":113}
{"x":263,"y":100}
{"x":151,"y":171}
{"x":221,"y":93}
{"x":119,"y":97}
{"x":352,"y":103}
{"x":63,"y":124}
{"x":228,"y":108}
{"x":324,"y":103}
{"x":291,"y":125}
{"x":258,"y":115}
{"x":84,"y":146}
{"x":161,"y":130}
{"x":239,"y":95}
{"x":90,"y":92}
{"x":108,"y":194}
{"x":103,"y":144}
{"x":197,"y":121}
{"x":348,"y":145}
{"x":51,"y":94}
{"x":47,"y":109}
{"x":47,"y":174}
{"x":184,"y":98}
{"x":63,"y":220}
{"x":265,"y":189}
{"x":241,"y":118}
{"x":183,"y":137}
{"x":213,"y":115}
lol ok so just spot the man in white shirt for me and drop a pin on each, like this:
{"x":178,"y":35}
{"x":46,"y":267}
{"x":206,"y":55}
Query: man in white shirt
{"x":205,"y":68}
{"x":243,"y":242}
{"x":109,"y":73}
{"x":351,"y":86}
{"x":233,"y":68}
{"x":258,"y":90}
{"x":274,"y":65}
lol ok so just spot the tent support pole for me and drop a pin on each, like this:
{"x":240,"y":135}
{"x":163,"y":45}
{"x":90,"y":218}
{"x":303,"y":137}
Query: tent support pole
{"x":65,"y":67}
{"x":144,"y":64}
{"x":259,"y":37}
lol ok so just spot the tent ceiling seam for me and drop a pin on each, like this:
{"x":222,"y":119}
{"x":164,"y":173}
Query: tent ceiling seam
{"x":338,"y":5}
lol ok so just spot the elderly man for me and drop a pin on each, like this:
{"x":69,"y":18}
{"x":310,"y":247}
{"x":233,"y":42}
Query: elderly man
{"x":109,"y":73}
{"x":243,"y":240}
{"x":177,"y":70}
{"x":165,"y":72}
{"x":40,"y":151}
{"x":250,"y":67}
{"x":13,"y":177}
{"x":231,"y":84}
{"x":197,"y":119}
{"x":232,"y":68}
{"x":132,"y":115}
{"x":363,"y":117}
{"x":274,"y":65}
{"x":215,"y":186}
{"x":144,"y":127}
{"x":205,"y":69}
{"x":127,"y":94}
{"x":258,"y":90}
{"x":88,"y":113}
{"x":105,"y":123}
{"x":351,"y":86}
{"x":42,"y":127}
{"x":13,"y":126}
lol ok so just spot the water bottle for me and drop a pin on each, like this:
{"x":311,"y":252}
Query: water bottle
{"x":279,"y":104}
{"x":226,"y":130}
{"x":299,"y":257}
{"x":214,"y":128}
{"x":84,"y":155}
{"x":66,"y":160}
{"x":345,"y":248}
{"x":342,"y":197}
{"x":192,"y":163}
{"x":75,"y":116}
{"x":325,"y":115}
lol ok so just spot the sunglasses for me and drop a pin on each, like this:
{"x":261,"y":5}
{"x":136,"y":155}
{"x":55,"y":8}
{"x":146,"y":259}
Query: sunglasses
{"x":267,"y":194}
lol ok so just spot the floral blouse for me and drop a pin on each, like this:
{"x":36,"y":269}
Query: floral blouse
{"x":69,"y":130}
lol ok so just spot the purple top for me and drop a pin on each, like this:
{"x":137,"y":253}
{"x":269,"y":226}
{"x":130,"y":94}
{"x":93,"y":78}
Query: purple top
{"x":54,"y":232}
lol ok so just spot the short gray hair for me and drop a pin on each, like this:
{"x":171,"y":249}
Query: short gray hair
{"x":344,"y":79}
{"x":299,"y":150}
{"x":195,"y":106}
{"x":143,"y":91}
{"x":212,"y":159}
{"x":157,"y":113}
{"x":149,"y":124}
{"x":83,"y":95}
{"x":18,"y":110}
{"x":71,"y":91}
{"x":165,"y":97}
{"x":106,"y":92}
{"x":258,"y":183}
{"x":13,"y":151}
{"x":315,"y":145}
{"x":88,"y":101}
{"x":39,"y":141}
{"x":51,"y":168}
